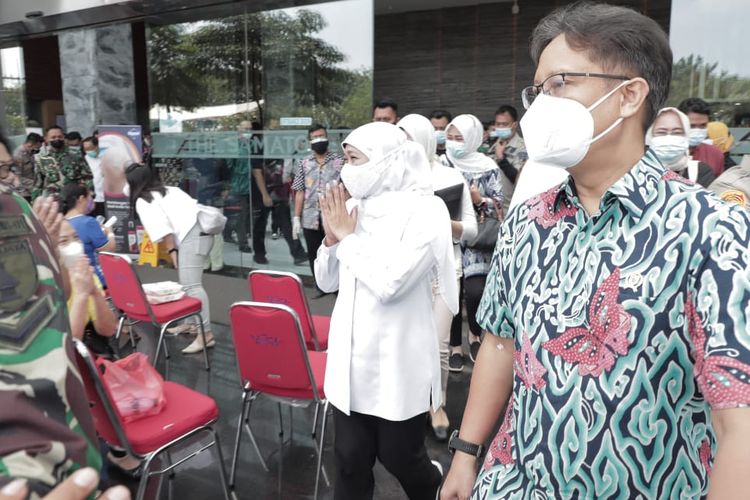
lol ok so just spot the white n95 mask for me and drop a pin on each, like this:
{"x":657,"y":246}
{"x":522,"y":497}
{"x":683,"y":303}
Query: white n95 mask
{"x":559,"y":131}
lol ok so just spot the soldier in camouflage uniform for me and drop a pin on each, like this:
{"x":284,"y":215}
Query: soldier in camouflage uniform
{"x":58,"y":167}
{"x":46,"y":428}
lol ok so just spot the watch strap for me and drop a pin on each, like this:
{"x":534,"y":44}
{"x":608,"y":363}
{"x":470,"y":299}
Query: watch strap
{"x":456,"y":443}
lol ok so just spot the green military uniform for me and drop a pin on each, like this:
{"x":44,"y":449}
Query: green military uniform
{"x":58,"y":169}
{"x":46,"y":428}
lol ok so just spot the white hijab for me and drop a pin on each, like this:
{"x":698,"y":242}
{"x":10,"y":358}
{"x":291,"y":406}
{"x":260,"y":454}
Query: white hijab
{"x":685,"y":161}
{"x":422,"y":132}
{"x":472,"y":131}
{"x":405,"y":185}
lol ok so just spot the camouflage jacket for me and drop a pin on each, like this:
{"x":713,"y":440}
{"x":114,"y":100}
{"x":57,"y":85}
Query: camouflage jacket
{"x":24,"y":161}
{"x":46,"y":428}
{"x":55,"y":170}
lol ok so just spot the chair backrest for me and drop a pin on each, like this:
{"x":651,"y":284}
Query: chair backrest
{"x":278,"y":287}
{"x":103,"y":410}
{"x":271,"y":352}
{"x":123,"y":284}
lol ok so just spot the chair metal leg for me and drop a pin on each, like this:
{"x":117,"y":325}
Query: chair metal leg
{"x":291,"y":426}
{"x":144,"y":477}
{"x":203,"y":336}
{"x":321,"y":447}
{"x":118,"y":332}
{"x":315,"y":420}
{"x":222,"y":469}
{"x":255,"y":444}
{"x":281,"y":450}
{"x":236,"y":453}
{"x":170,"y":476}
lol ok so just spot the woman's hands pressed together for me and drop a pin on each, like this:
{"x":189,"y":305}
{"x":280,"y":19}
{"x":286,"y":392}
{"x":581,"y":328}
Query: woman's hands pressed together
{"x":337,"y":222}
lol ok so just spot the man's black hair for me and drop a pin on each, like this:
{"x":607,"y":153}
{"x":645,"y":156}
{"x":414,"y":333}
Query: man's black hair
{"x":386,"y":102}
{"x":34,"y":138}
{"x":695,"y":105}
{"x":507,"y":108}
{"x":439,"y":114}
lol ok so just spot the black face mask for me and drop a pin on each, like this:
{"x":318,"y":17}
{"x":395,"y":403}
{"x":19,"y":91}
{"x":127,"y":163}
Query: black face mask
{"x":319,"y":147}
{"x":57,"y":144}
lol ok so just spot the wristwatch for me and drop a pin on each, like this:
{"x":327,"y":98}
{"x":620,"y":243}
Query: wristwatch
{"x":456,"y":443}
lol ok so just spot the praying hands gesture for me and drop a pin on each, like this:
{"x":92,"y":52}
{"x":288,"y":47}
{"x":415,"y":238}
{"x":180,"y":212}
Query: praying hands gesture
{"x":337,"y":222}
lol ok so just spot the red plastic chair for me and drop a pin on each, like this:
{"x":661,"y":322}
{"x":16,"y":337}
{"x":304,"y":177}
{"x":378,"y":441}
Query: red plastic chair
{"x":273,"y":360}
{"x":187,"y":414}
{"x":126,"y":290}
{"x":279,"y":287}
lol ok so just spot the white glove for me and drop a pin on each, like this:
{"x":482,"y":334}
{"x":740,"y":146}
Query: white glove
{"x":296,"y":227}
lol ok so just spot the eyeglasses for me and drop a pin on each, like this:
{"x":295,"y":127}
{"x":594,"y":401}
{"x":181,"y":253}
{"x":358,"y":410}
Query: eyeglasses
{"x":555,"y":85}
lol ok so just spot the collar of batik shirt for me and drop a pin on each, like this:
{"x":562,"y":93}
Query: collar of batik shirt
{"x":640,"y":187}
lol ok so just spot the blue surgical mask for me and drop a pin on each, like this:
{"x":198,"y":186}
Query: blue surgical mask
{"x":502,"y":133}
{"x":697,"y":135}
{"x":455,"y":149}
{"x":92,"y":154}
{"x":440,"y":136}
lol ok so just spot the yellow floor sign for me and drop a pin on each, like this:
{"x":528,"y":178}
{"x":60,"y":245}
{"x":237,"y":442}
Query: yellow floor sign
{"x":152,"y":253}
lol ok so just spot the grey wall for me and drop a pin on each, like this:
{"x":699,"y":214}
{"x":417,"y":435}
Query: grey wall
{"x":97,"y":77}
{"x":466,"y":59}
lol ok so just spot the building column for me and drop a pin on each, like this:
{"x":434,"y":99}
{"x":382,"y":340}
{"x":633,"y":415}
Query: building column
{"x":97,"y":77}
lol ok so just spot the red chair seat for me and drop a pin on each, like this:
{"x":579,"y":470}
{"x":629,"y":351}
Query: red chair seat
{"x":321,"y":324}
{"x":150,"y":433}
{"x":318,"y":365}
{"x":170,"y":310}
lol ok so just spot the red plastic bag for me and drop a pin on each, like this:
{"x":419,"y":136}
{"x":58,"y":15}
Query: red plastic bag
{"x":135,"y":386}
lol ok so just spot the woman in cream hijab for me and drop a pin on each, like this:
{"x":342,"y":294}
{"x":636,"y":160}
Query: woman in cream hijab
{"x":383,"y":250}
{"x":463,"y":228}
{"x":668,"y":139}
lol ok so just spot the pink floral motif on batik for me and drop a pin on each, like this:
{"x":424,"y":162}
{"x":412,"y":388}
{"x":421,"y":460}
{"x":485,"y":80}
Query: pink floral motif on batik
{"x":595,"y":349}
{"x":542,"y":208}
{"x":723,"y":380}
{"x":527,"y":366}
{"x":671,"y":175}
{"x":705,"y":454}
{"x":501,"y":449}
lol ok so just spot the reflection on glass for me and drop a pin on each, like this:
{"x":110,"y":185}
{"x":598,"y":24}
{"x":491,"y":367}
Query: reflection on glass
{"x":232,"y":99}
{"x":12,"y":87}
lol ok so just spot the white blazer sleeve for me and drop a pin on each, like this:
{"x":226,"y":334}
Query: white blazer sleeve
{"x":468,"y":217}
{"x":390,"y":270}
{"x":327,"y":268}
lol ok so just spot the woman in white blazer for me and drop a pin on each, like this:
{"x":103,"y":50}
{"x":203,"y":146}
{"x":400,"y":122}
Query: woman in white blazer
{"x":384,"y":248}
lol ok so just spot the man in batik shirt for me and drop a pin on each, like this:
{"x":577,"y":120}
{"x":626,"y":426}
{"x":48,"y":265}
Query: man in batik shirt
{"x":59,"y":167}
{"x":617,"y":303}
{"x":312,"y":173}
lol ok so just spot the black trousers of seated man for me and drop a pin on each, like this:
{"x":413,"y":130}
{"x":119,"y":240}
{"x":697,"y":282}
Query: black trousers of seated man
{"x":399,"y":446}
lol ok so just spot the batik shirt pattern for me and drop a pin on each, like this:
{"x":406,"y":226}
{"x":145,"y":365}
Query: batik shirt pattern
{"x":629,"y":327}
{"x":312,"y":178}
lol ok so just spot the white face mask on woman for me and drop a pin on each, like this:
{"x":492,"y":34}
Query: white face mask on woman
{"x":559,"y":131}
{"x":359,"y":179}
{"x":70,"y":252}
{"x":671,"y":150}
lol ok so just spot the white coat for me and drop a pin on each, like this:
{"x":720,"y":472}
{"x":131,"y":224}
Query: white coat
{"x":383,"y":357}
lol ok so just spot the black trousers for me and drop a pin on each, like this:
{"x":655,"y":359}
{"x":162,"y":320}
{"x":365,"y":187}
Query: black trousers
{"x":242,"y":219}
{"x":399,"y":446}
{"x":457,"y":325}
{"x":284,"y":218}
{"x":473,"y":290}
{"x":313,"y":239}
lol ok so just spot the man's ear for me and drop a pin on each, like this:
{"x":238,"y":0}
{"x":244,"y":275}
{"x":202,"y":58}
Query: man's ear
{"x":634,"y":95}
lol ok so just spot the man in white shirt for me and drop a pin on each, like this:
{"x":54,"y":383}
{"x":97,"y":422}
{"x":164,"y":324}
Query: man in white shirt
{"x":93,"y":158}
